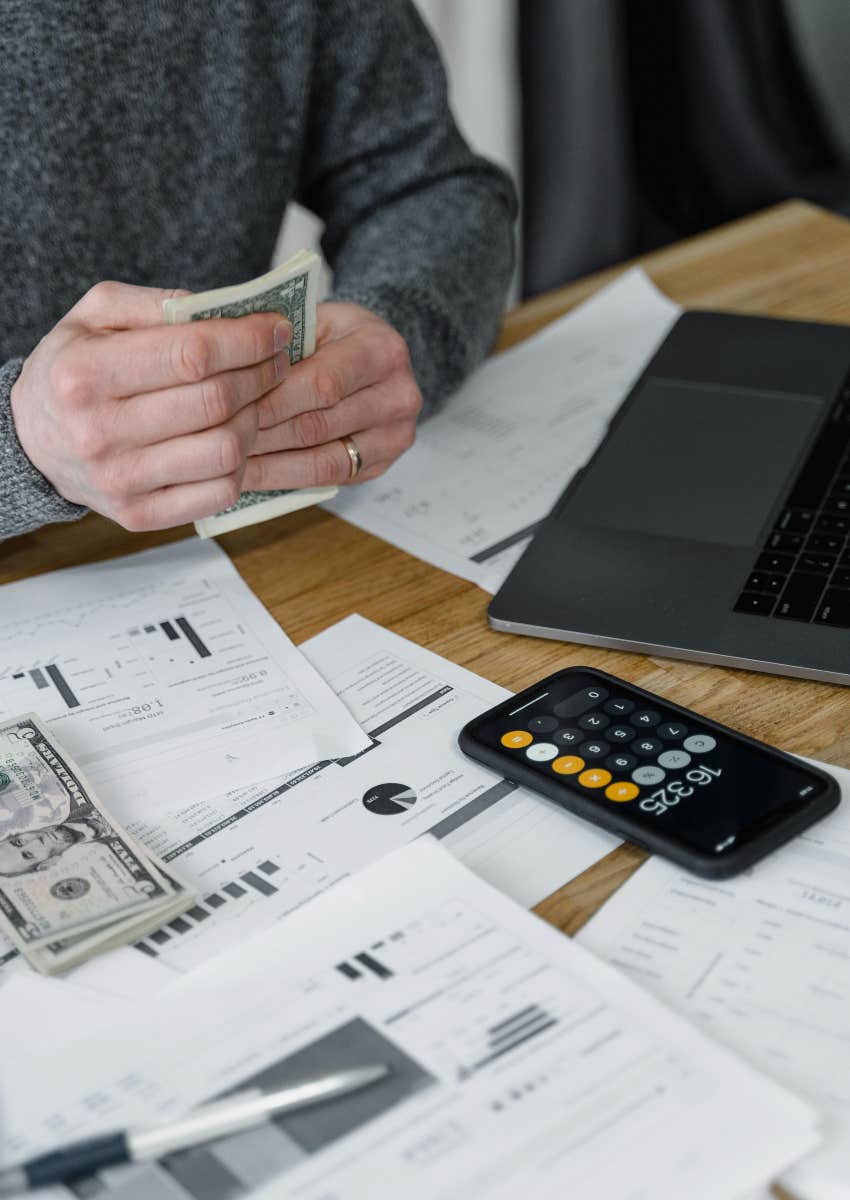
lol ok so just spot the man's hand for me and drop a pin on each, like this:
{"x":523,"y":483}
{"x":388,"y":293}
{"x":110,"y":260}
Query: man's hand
{"x":149,"y":424}
{"x":357,"y":383}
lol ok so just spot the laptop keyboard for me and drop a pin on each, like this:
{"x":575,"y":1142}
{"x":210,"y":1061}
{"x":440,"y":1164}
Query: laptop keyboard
{"x":803,"y":570}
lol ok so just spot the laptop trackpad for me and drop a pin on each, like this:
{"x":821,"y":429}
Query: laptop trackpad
{"x":696,"y":461}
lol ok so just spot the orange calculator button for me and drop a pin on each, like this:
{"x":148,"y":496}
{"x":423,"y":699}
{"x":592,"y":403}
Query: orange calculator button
{"x":517,"y":739}
{"x":621,"y":792}
{"x":568,"y":764}
{"x":594,"y":778}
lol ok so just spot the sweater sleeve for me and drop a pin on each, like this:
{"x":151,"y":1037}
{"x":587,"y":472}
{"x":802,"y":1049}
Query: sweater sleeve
{"x":417,"y":227}
{"x":27,"y":499}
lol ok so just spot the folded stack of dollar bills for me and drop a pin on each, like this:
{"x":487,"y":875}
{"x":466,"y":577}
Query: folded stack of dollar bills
{"x":72,"y":882}
{"x":290,"y":289}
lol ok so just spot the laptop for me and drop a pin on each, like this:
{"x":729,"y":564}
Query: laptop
{"x":712,"y":522}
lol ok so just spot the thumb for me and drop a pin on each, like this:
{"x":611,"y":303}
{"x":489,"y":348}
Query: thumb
{"x":110,"y":305}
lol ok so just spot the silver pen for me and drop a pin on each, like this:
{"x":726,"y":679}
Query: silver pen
{"x":217,"y":1119}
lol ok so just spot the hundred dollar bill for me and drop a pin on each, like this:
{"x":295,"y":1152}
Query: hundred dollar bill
{"x":67,"y":869}
{"x":290,"y":289}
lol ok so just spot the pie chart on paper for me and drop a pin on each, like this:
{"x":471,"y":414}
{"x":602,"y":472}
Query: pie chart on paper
{"x":389,"y":799}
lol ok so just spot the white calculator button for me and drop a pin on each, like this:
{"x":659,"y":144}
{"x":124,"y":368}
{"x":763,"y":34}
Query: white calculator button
{"x":542,"y":752}
{"x":648,"y":775}
{"x":671,"y":760}
{"x":699,"y":743}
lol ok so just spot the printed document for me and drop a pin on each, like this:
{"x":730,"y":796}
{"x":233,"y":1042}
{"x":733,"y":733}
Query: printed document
{"x":258,"y":854}
{"x":520,"y":1065}
{"x":762,"y":963}
{"x":487,"y":468}
{"x":165,"y":677}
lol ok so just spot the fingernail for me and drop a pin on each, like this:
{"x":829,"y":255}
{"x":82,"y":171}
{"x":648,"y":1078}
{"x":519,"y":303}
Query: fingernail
{"x":281,"y":366}
{"x":282,"y":335}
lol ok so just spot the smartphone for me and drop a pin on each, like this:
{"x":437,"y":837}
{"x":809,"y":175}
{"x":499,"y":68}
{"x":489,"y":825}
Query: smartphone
{"x":661,"y":776}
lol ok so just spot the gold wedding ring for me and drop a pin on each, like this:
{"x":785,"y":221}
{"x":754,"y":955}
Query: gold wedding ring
{"x":354,"y":455}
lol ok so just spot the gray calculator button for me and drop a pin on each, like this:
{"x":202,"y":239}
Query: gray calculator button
{"x":579,"y":703}
{"x":588,"y":750}
{"x":699,"y":743}
{"x":619,"y":763}
{"x":543,"y":724}
{"x":595,"y":722}
{"x":673,"y":760}
{"x":541,"y":751}
{"x":645,"y":718}
{"x":619,"y":707}
{"x":619,"y":733}
{"x":672,"y":731}
{"x":648,"y":775}
{"x":568,"y":737}
{"x":647,"y":747}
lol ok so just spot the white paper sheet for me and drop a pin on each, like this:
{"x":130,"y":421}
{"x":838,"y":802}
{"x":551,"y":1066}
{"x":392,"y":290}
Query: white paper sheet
{"x":165,"y":677}
{"x":258,"y":854}
{"x":487,"y":468}
{"x":762,"y":962}
{"x":520,"y":1064}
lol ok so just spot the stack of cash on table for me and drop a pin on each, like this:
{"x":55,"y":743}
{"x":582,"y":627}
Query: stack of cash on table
{"x":72,"y":882}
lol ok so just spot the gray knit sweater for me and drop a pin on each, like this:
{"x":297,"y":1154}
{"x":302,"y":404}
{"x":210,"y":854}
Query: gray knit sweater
{"x":160,"y":142}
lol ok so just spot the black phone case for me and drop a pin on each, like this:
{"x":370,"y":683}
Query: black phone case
{"x":784,"y":830}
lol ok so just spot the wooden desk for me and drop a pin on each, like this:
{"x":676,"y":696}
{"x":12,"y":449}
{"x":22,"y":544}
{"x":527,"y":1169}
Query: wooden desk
{"x":311,"y":569}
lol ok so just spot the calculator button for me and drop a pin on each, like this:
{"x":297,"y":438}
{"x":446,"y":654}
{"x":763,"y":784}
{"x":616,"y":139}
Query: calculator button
{"x":673,"y":731}
{"x":621,"y":792}
{"x":581,"y":702}
{"x":647,"y":747}
{"x":646,"y":718}
{"x":595,"y":778}
{"x":699,"y":743}
{"x":649,"y":775}
{"x":621,"y":762}
{"x":671,"y":760}
{"x":517,"y":739}
{"x":595,"y":722}
{"x":594,"y":749}
{"x":543,"y":724}
{"x":568,"y":764}
{"x":619,"y":733}
{"x":568,"y":737}
{"x":619,"y":707}
{"x":541,"y":752}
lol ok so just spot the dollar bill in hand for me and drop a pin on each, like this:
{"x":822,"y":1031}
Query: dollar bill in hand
{"x":290,"y":289}
{"x":70,"y":877}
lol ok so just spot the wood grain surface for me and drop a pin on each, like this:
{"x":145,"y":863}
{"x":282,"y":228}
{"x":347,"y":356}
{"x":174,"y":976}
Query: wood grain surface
{"x":311,"y":569}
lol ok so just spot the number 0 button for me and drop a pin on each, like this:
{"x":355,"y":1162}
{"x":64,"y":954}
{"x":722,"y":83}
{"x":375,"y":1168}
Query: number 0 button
{"x":517,"y":739}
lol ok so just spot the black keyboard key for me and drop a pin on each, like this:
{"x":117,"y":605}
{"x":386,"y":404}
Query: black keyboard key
{"x":837,"y":504}
{"x":842,"y":488}
{"x":800,"y":598}
{"x":829,"y":545}
{"x":756,"y":602}
{"x":775,"y":562}
{"x":765,"y":581}
{"x":796,"y":520}
{"x":830,"y":524}
{"x":788,"y":542}
{"x":817,"y":564}
{"x":841,"y":578}
{"x":834,"y":609}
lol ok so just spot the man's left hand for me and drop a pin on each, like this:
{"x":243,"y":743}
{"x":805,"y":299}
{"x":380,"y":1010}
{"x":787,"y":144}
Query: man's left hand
{"x":357,"y":384}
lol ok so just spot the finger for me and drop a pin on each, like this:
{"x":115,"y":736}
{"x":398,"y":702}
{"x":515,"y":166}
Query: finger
{"x":212,"y":454}
{"x":134,"y":361}
{"x":176,"y":505}
{"x":111,"y":305}
{"x":383,"y":404}
{"x":156,"y":416}
{"x":329,"y":463}
{"x":336,"y":370}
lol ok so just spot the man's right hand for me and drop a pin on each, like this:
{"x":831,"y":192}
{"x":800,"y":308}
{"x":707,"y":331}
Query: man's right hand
{"x":147,"y":423}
